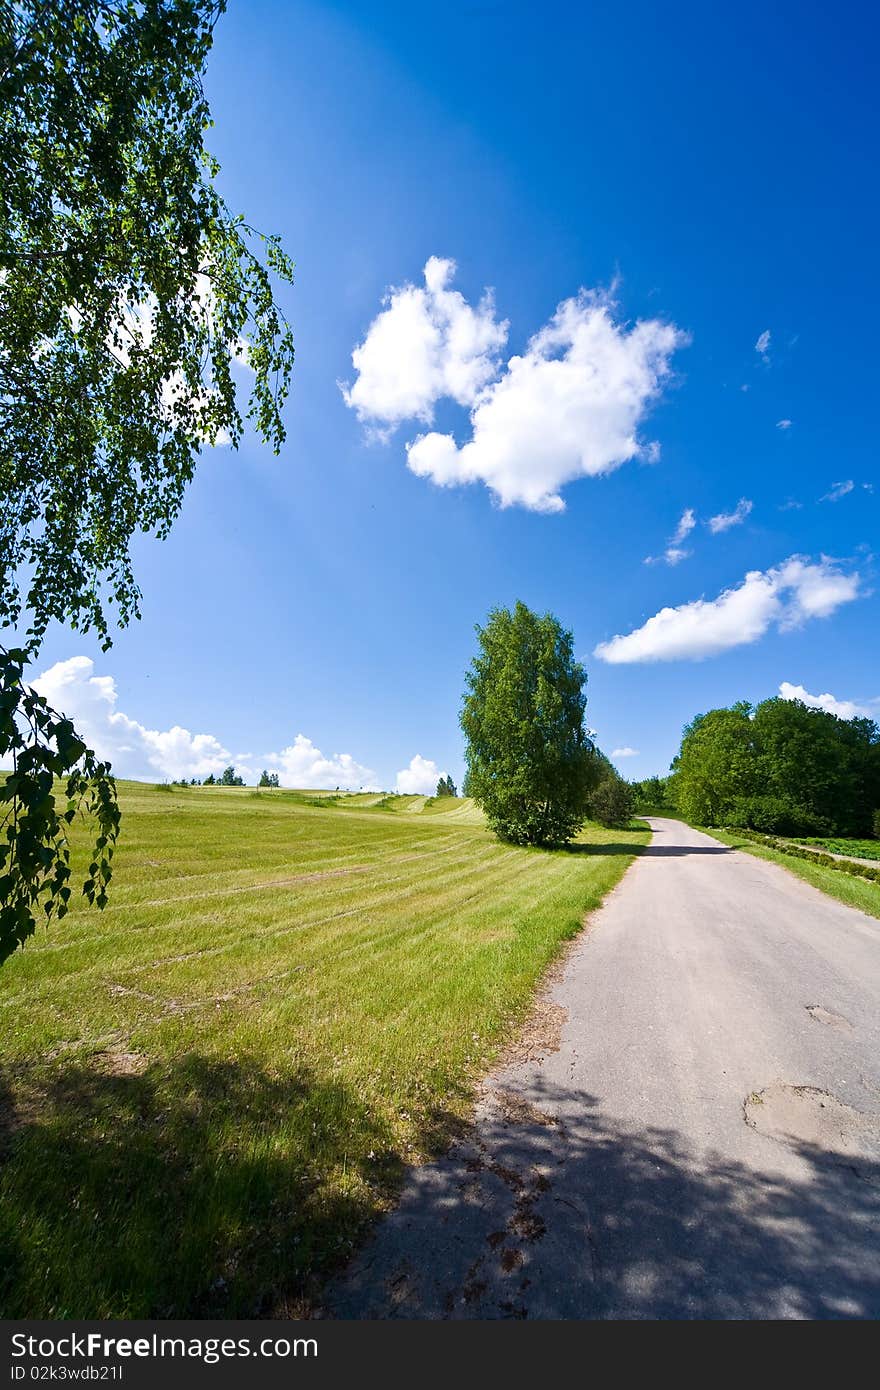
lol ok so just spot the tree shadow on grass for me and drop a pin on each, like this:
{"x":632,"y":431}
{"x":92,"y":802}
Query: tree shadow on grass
{"x":204,"y":1188}
{"x":554,"y":1209}
{"x":613,"y":848}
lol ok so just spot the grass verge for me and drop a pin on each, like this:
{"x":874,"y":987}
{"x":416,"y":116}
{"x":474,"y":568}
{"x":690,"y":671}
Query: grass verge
{"x":208,"y":1091}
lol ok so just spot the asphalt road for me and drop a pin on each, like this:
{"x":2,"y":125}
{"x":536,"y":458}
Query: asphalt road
{"x":705,"y":1142}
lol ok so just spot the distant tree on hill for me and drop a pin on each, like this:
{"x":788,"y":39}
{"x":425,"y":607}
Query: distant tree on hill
{"x":229,"y":779}
{"x":268,"y":779}
{"x":446,"y":787}
{"x":531,"y":763}
{"x":209,"y":781}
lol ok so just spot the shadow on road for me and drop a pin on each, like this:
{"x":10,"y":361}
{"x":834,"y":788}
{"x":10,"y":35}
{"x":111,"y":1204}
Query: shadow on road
{"x":645,"y":851}
{"x":666,"y":851}
{"x":538,"y":1218}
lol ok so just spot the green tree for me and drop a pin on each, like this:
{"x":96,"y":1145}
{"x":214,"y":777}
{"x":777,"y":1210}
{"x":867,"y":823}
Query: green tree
{"x":128,"y":290}
{"x":716,"y":764}
{"x":612,"y":800}
{"x":652,"y":794}
{"x":446,"y":787}
{"x":268,"y":779}
{"x":781,"y":766}
{"x":229,"y":779}
{"x":531,"y":764}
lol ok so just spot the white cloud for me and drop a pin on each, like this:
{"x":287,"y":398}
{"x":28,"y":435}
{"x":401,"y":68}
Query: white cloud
{"x":420,"y":778}
{"x":838,"y":490}
{"x":763,"y":344}
{"x":674,"y":553}
{"x":428,"y":343}
{"x":90,"y":701}
{"x":783,"y":424}
{"x":783,"y":597}
{"x":844,"y":709}
{"x":72,"y":688}
{"x":724,"y":520}
{"x":301,"y":764}
{"x":569,"y":407}
{"x":624,"y":752}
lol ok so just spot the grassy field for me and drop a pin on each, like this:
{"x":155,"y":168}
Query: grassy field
{"x":856,"y":892}
{"x":208,"y":1091}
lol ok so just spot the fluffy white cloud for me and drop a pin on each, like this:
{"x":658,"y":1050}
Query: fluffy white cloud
{"x":428,"y":343}
{"x":90,"y":701}
{"x":724,"y":520}
{"x":624,"y":752}
{"x":844,"y":709}
{"x":569,"y":407}
{"x":783,"y":597}
{"x":420,"y":778}
{"x":763,"y":344}
{"x":301,"y":764}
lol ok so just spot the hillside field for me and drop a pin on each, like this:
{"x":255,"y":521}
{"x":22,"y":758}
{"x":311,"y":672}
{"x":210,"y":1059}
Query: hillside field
{"x":207,"y":1091}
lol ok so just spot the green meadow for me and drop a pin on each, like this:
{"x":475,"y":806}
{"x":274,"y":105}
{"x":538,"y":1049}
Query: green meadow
{"x":208,"y":1091}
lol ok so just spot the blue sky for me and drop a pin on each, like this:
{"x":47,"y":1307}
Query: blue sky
{"x":709,"y":174}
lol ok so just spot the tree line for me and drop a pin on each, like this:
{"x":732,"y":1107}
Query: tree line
{"x":781,"y":767}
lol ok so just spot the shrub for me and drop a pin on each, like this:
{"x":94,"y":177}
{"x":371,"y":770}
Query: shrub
{"x":776,"y":815}
{"x":612,"y":802}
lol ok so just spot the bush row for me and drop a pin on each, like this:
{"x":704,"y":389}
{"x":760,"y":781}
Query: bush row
{"x":828,"y":861}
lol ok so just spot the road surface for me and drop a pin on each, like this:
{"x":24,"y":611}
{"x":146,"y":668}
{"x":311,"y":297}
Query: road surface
{"x":703,"y":1142}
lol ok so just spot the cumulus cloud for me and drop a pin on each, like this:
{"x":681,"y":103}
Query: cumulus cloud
{"x":420,"y":778}
{"x":428,"y":343}
{"x":762,"y":346}
{"x":724,"y":520}
{"x":301,"y":764}
{"x":844,"y":709}
{"x":569,"y":407}
{"x":838,"y":490}
{"x":783,"y":597}
{"x":624,"y":752}
{"x":73,"y":689}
